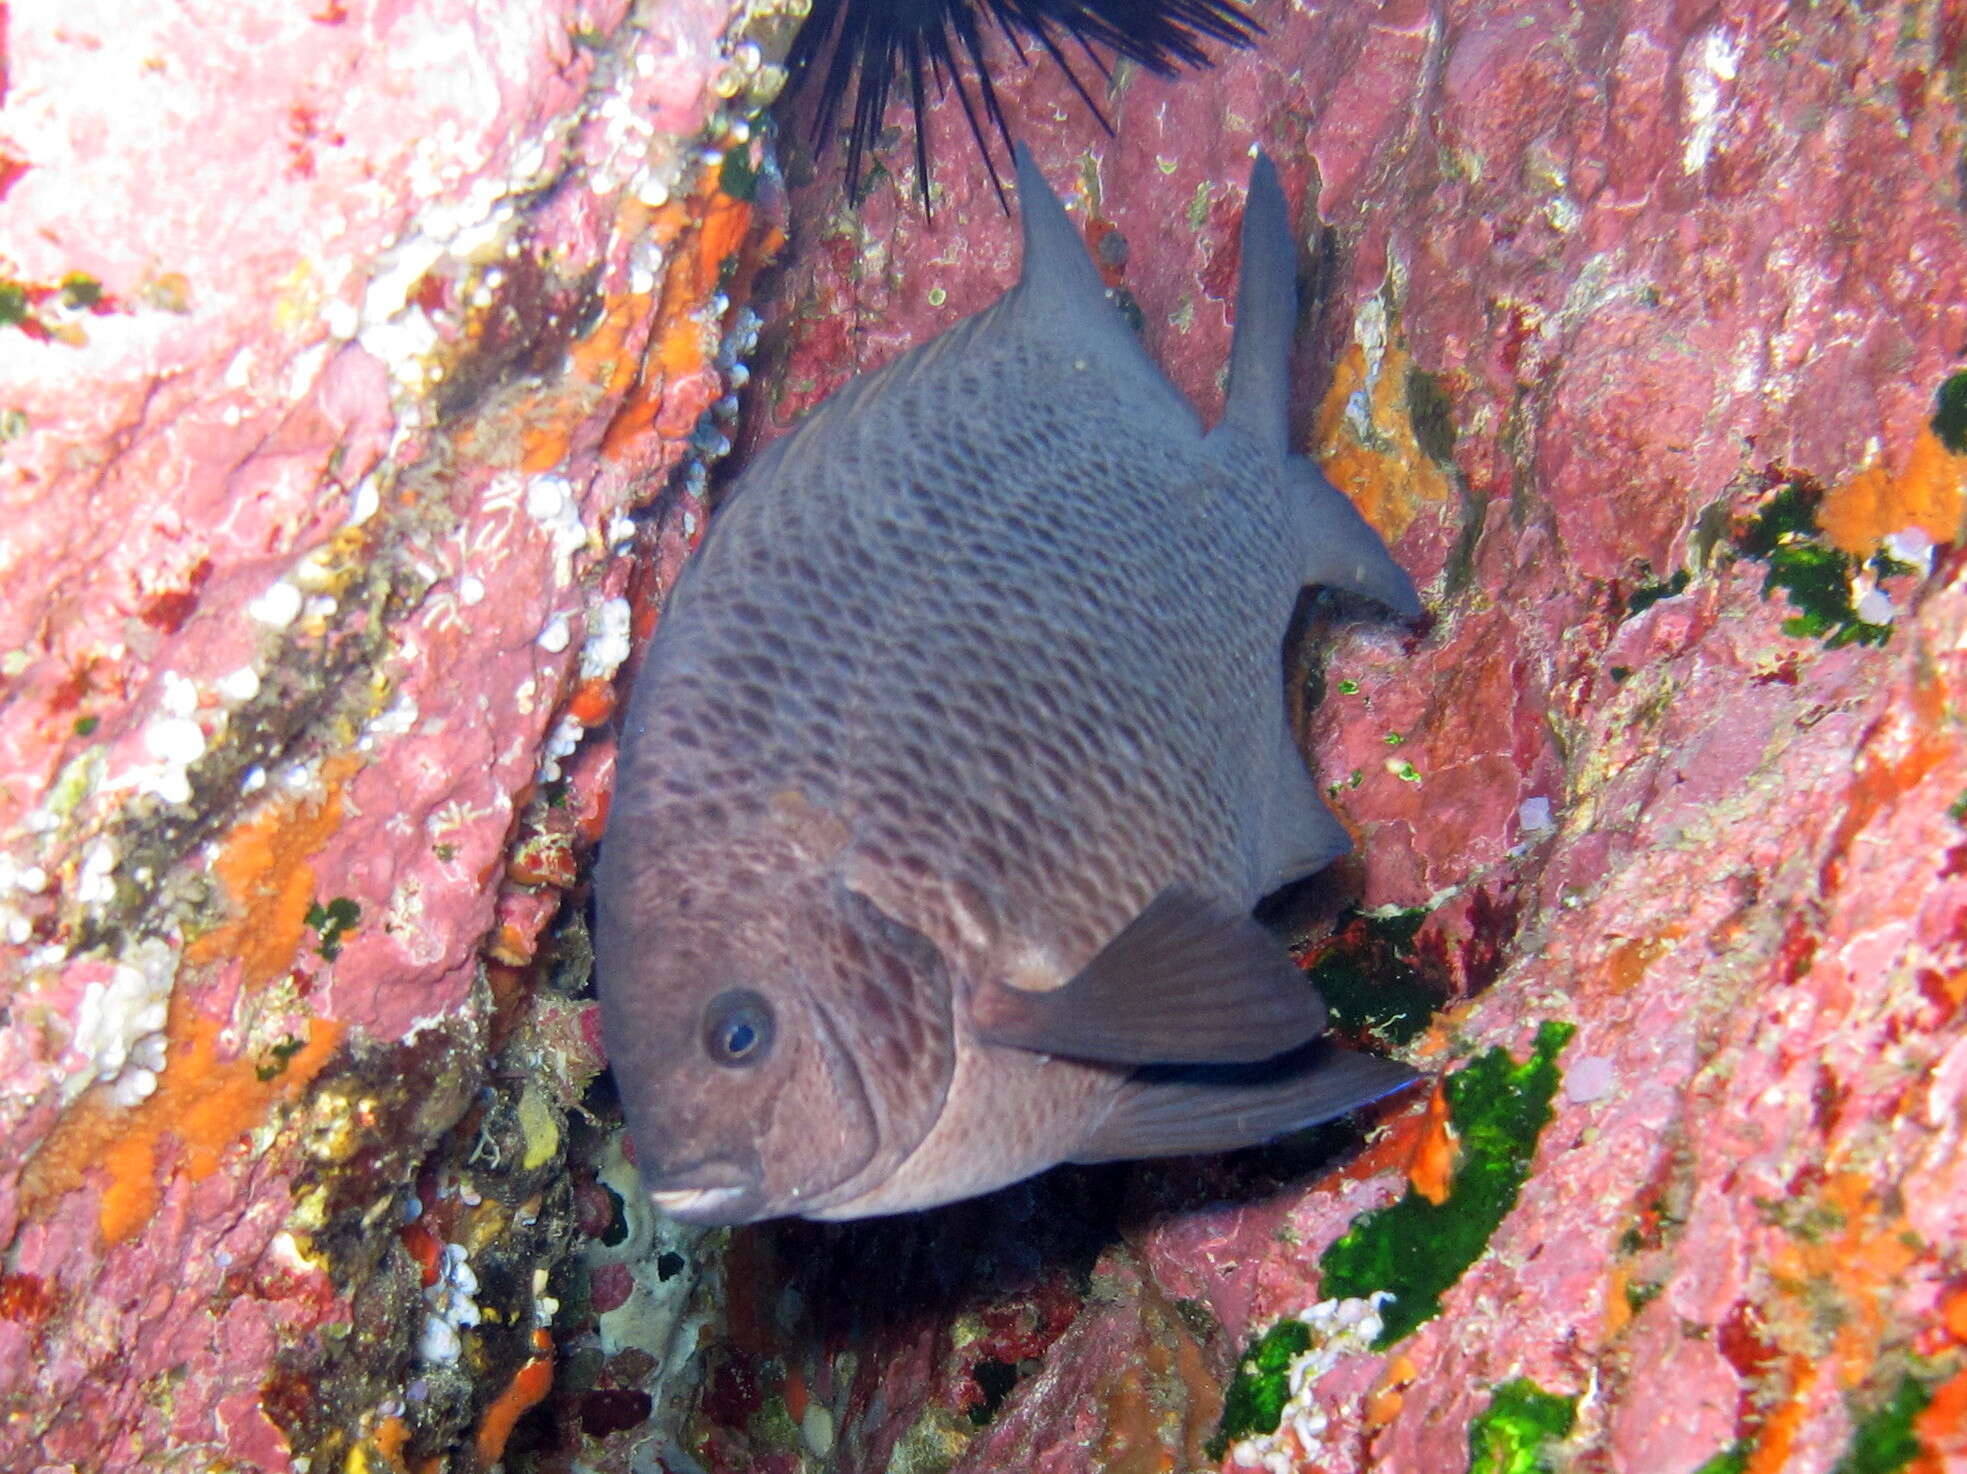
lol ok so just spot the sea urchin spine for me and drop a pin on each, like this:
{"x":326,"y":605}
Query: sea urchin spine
{"x":867,"y":45}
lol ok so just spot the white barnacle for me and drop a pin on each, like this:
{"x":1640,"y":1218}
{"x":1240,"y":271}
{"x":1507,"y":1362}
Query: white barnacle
{"x":119,"y":1027}
{"x":278,"y":607}
{"x":439,"y":1342}
{"x":606,"y":647}
{"x":556,"y":636}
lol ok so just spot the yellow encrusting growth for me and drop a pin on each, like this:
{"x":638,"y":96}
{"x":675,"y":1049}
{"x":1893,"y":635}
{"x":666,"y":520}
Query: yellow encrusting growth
{"x":264,"y":869}
{"x":1391,"y":479}
{"x":539,"y":1128}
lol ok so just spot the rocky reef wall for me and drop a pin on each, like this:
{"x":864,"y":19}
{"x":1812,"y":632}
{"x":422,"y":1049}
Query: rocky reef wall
{"x":1639,"y":337}
{"x":359,"y":370}
{"x":361,"y":373}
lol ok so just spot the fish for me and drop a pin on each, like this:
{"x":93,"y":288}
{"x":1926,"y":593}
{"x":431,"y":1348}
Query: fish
{"x":959,"y":758}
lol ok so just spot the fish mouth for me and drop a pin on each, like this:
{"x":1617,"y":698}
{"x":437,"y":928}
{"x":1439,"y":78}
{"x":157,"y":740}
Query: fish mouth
{"x":712,"y":1193}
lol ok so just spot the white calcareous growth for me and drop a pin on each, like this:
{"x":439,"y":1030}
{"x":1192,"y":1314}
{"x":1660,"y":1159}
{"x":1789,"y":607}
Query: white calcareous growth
{"x":119,"y":1029}
{"x":17,"y":879}
{"x":1339,"y":1328}
{"x":175,"y":740}
{"x":451,"y":1308}
{"x":608,"y":633}
{"x":278,"y":607}
{"x":551,"y":503}
{"x":1714,"y":63}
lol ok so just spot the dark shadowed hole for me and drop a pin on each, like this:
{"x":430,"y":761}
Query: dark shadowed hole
{"x":609,"y":1410}
{"x":618,"y":1224}
{"x":936,"y":1264}
{"x":1306,"y":909}
{"x":994,"y":1380}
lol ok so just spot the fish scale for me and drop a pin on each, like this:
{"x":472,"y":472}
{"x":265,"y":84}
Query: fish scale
{"x":958,"y":760}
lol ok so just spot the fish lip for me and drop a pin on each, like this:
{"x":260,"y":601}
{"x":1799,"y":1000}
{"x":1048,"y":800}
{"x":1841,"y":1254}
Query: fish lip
{"x":700,"y":1204}
{"x":716,"y":1193}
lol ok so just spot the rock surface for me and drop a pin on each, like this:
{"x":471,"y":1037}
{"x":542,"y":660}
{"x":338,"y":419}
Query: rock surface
{"x":337,"y":348}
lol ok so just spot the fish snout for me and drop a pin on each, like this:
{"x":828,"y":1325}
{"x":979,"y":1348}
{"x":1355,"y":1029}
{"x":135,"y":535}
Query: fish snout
{"x":717,"y":1191}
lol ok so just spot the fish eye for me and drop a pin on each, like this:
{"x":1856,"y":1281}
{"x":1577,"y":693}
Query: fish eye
{"x":737,"y":1028}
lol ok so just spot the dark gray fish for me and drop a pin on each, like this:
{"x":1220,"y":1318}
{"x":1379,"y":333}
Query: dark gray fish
{"x":958,"y":761}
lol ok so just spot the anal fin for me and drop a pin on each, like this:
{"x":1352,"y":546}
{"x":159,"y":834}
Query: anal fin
{"x":1295,"y":833}
{"x":1190,"y":979}
{"x":1342,"y":551}
{"x":1181,"y":1110}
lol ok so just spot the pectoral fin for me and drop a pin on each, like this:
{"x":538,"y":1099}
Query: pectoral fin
{"x":1188,"y":980}
{"x":1177,"y":1110}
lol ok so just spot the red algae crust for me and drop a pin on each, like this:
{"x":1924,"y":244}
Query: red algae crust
{"x":338,"y":345}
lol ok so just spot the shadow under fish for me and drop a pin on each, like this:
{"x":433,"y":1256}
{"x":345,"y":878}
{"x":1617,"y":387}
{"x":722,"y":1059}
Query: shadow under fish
{"x":959,"y":759}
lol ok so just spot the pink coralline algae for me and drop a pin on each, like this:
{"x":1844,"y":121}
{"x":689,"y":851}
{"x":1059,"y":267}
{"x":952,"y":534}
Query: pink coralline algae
{"x":338,"y":346}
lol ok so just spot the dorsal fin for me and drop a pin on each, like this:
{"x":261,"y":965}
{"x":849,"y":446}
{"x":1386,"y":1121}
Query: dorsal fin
{"x":1061,"y":300}
{"x":1259,"y":401}
{"x":1057,"y":273}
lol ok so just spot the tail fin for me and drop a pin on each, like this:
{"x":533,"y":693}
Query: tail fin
{"x":1259,"y":401}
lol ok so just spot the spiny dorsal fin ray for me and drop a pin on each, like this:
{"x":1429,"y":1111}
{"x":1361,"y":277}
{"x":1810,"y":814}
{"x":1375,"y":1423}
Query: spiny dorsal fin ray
{"x":1057,"y":270}
{"x":1061,"y":299}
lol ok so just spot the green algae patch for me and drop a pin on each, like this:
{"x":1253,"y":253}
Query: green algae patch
{"x":1254,"y":1401}
{"x":1371,"y":977}
{"x":1731,"y":1460}
{"x":1522,"y":1420}
{"x":332,"y":922}
{"x":1415,"y":1250}
{"x":1432,"y":413}
{"x":80,"y":293}
{"x":1950,"y":414}
{"x":1814,"y":576}
{"x":1648,"y":594}
{"x":736,"y":177}
{"x":1884,"y":1441}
